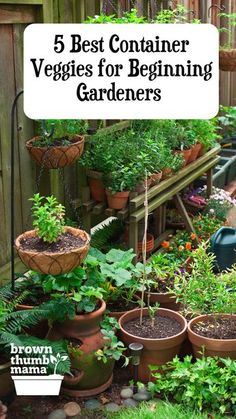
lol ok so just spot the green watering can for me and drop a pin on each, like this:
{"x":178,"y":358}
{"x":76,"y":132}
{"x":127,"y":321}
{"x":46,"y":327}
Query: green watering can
{"x":223,"y":245}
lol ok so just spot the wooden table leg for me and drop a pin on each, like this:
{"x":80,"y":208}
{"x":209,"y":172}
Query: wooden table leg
{"x":182,"y":210}
{"x":158,"y":221}
{"x":209,"y":182}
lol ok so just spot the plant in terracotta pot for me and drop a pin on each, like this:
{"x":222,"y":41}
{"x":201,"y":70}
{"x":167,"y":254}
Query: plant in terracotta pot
{"x":119,"y":185}
{"x":52,"y":248}
{"x":77,"y":319}
{"x":59,"y":143}
{"x":211,"y":303}
{"x":227,"y":51}
{"x":160,"y":331}
{"x":205,"y":133}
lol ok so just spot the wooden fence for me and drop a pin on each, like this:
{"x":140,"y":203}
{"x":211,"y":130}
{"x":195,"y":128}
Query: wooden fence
{"x":14,"y":16}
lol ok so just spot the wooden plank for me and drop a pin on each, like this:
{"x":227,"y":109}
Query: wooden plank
{"x":99,"y":208}
{"x":182,"y":210}
{"x":48,"y":11}
{"x":65,"y":10}
{"x":138,"y":201}
{"x":163,"y":197}
{"x":88,"y":206}
{"x":25,"y":131}
{"x":123,"y":214}
{"x":17,"y":2}
{"x":17,"y":14}
{"x":109,"y":212}
{"x":5,"y":270}
{"x":209,"y":182}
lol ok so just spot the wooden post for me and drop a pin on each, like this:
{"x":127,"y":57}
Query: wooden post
{"x":209,"y":182}
{"x":182,"y":210}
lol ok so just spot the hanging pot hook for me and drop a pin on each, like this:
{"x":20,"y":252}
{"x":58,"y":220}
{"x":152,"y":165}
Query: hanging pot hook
{"x":45,"y":132}
{"x":215,"y":6}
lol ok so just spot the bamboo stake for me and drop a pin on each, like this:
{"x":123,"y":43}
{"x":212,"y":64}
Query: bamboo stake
{"x":144,"y":248}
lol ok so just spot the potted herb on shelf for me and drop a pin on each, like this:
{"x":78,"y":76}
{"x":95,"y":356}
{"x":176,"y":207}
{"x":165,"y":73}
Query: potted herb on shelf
{"x":119,"y":185}
{"x":227,"y":51}
{"x":52,"y":248}
{"x":61,"y":147}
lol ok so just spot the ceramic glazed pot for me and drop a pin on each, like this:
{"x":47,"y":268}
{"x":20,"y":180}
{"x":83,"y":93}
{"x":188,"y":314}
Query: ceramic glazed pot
{"x":53,"y":263}
{"x":57,"y":156}
{"x":84,"y":332}
{"x":228,"y":59}
{"x":195,"y":152}
{"x":96,"y":185}
{"x":6,"y":383}
{"x":156,"y":351}
{"x":213,"y":347}
{"x":117,"y":200}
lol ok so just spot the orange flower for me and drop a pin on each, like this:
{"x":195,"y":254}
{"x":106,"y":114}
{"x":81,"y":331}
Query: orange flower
{"x":188,"y":246}
{"x":180,"y":248}
{"x":193,"y":236}
{"x":165,"y":244}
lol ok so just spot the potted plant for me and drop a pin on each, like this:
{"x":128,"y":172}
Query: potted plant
{"x":59,"y":148}
{"x":227,"y":51}
{"x":119,"y":185}
{"x":52,"y":248}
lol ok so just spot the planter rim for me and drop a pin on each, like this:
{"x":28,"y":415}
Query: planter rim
{"x":109,"y":191}
{"x":162,"y":311}
{"x":72,"y":230}
{"x":38,"y":378}
{"x":30,"y":143}
{"x":207,"y":316}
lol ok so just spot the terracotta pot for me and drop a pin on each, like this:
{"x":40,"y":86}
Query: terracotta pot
{"x":155,"y":178}
{"x":57,"y":156}
{"x":85,"y":330}
{"x":140,"y":188}
{"x":202,"y":151}
{"x":228,"y":59}
{"x":96,"y":185}
{"x":213,"y":347}
{"x":186,"y":155}
{"x":117,"y":200}
{"x":53,"y":263}
{"x":149,"y":245}
{"x":156,"y":351}
{"x":165,"y":299}
{"x":166,"y":173}
{"x":6,"y":383}
{"x":195,"y":152}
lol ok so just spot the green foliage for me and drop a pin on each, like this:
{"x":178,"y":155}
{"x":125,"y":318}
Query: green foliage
{"x":103,"y":238}
{"x":86,"y":299}
{"x":201,"y":291}
{"x":128,"y":17}
{"x":231,"y":19}
{"x":158,"y":409}
{"x":113,"y":348}
{"x":178,"y":15}
{"x":206,"y":384}
{"x":48,"y":217}
{"x":227,"y":120}
{"x":63,"y":129}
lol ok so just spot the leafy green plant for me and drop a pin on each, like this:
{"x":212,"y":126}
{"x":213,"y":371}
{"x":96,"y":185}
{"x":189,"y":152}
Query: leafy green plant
{"x":48,"y":217}
{"x":63,"y":130}
{"x":105,"y":237}
{"x":231,"y":19}
{"x":178,"y":15}
{"x":152,"y":311}
{"x":86,"y":299}
{"x":128,"y":17}
{"x":113,"y":349}
{"x":227,"y":120}
{"x":206,"y":384}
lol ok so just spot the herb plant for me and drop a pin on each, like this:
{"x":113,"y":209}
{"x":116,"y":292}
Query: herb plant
{"x":231,"y":18}
{"x":206,"y":384}
{"x":63,"y":130}
{"x":48,"y":217}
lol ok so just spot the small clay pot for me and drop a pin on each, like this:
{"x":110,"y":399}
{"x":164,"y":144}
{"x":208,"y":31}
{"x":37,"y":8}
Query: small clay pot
{"x":96,"y":185}
{"x":166,"y":173}
{"x":56,"y":156}
{"x":195,"y":152}
{"x":212,"y":347}
{"x":155,"y":351}
{"x":186,"y":155}
{"x":149,"y":245}
{"x":155,"y":178}
{"x":117,"y":200}
{"x":53,"y":263}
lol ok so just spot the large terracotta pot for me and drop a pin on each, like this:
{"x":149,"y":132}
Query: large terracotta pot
{"x":6,"y":383}
{"x":57,"y":156}
{"x":156,"y":351}
{"x":96,"y":186}
{"x":195,"y":152}
{"x":53,"y":263}
{"x":186,"y":155}
{"x":228,"y":59}
{"x":117,"y":200}
{"x":85,"y":333}
{"x":212,"y":347}
{"x":165,"y":299}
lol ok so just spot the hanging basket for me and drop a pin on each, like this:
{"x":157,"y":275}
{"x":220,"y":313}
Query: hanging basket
{"x":55,"y":157}
{"x":56,"y":263}
{"x":228,"y":59}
